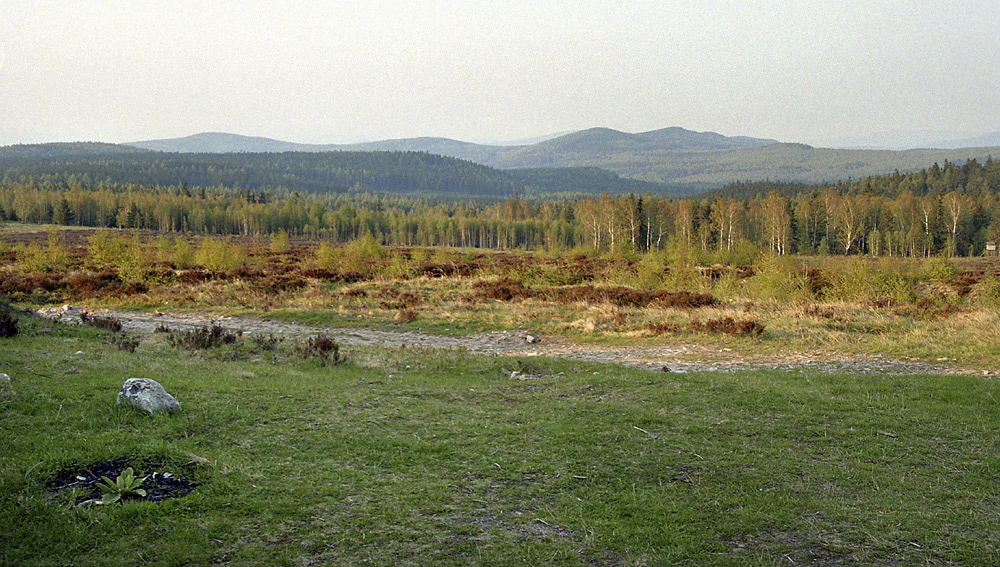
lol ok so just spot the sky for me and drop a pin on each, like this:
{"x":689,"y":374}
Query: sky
{"x":344,"y":71}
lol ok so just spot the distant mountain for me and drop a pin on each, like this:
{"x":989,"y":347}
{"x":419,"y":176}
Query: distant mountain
{"x":223,"y":143}
{"x":596,"y":147}
{"x":981,"y":141}
{"x":670,"y":156}
{"x":478,"y":153}
{"x":792,"y":162}
{"x":607,"y":148}
{"x":900,"y":140}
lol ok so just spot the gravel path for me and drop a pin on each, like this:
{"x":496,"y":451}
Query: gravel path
{"x":673,"y":357}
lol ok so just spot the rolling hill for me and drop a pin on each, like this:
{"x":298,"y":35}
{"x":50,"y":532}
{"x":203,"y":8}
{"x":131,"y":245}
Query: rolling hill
{"x":673,"y":156}
{"x":418,"y":174}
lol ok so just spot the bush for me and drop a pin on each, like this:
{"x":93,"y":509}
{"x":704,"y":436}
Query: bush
{"x":183,"y":253}
{"x":987,"y":292}
{"x":663,"y":328}
{"x":863,"y":280}
{"x":218,"y":254}
{"x":939,"y":269}
{"x":104,"y":249}
{"x":777,"y":278}
{"x":9,"y":325}
{"x":36,"y":259}
{"x":92,"y":284}
{"x":358,"y":254}
{"x":204,"y":338}
{"x":280,"y":242}
{"x":267,"y":342}
{"x":124,"y":342}
{"x":729,"y":326}
{"x":103,"y":323}
{"x":651,"y":270}
{"x":504,"y":289}
{"x":326,"y":257}
{"x":323,"y":348}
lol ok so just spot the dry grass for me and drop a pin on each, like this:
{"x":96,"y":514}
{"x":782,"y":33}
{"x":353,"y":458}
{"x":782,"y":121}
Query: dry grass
{"x":894,"y":307}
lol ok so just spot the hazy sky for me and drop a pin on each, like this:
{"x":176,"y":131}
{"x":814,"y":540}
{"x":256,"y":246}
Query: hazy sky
{"x":342,"y":71}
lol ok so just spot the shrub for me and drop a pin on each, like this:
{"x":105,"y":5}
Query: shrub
{"x":267,"y":342}
{"x":963,"y":283}
{"x":663,"y":328}
{"x":103,"y":323}
{"x":37,"y":259}
{"x":124,"y":342}
{"x":939,"y":269}
{"x":9,"y":325}
{"x":391,"y":298}
{"x":777,"y":278}
{"x":326,"y":257}
{"x":205,"y":337}
{"x":218,"y":254}
{"x":92,"y":284}
{"x":816,"y":281}
{"x":987,"y":292}
{"x":183,"y":253}
{"x":504,"y":289}
{"x":862,"y":280}
{"x":275,"y":284}
{"x":651,"y":270}
{"x":729,"y":326}
{"x":359,"y":253}
{"x":280,"y":242}
{"x":195,"y":276}
{"x":323,"y":348}
{"x":105,"y":248}
{"x":317,"y":273}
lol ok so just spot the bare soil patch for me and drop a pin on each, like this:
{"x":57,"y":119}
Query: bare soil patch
{"x":162,"y":481}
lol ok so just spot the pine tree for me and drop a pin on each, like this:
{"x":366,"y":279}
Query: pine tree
{"x":63,"y":214}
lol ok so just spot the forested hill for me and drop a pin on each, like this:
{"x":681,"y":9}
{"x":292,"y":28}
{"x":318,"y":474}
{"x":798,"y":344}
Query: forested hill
{"x":402,"y":173}
{"x":669,"y":155}
{"x":970,"y":178}
{"x":33,"y":153}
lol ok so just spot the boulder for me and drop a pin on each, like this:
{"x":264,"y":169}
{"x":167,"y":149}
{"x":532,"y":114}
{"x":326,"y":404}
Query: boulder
{"x":147,"y":395}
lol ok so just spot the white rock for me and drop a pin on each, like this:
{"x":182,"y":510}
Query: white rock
{"x":147,"y":395}
{"x":4,"y":379}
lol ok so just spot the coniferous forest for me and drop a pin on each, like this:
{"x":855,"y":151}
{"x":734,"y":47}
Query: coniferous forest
{"x":415,"y":198}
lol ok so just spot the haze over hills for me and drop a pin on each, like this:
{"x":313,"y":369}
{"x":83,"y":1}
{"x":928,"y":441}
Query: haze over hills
{"x":915,"y":139}
{"x":669,"y":156}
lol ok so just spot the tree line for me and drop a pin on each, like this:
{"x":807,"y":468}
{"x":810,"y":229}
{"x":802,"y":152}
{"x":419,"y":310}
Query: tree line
{"x":950,"y":210}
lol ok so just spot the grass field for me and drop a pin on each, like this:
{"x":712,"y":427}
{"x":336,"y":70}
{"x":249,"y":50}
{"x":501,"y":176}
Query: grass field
{"x":418,"y":457}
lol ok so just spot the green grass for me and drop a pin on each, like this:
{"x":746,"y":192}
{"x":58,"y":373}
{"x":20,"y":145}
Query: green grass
{"x":416,"y":457}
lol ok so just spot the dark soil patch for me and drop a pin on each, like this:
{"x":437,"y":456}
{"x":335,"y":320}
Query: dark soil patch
{"x":164,"y":479}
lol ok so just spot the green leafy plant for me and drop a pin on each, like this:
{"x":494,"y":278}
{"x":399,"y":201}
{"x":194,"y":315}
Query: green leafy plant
{"x":124,"y":486}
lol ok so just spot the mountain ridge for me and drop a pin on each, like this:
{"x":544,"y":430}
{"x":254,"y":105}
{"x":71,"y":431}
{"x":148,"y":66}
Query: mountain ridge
{"x":673,"y":155}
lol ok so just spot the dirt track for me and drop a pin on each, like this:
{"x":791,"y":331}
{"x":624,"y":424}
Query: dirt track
{"x":674,"y":356}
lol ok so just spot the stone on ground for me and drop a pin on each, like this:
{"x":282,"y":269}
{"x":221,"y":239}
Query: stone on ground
{"x":147,"y":395}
